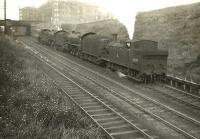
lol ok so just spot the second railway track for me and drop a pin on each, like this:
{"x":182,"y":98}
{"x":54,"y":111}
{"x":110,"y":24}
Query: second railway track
{"x":192,"y":132}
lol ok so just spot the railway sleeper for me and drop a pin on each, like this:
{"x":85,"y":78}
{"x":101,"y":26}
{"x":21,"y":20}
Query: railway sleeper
{"x":115,"y":127}
{"x":112,"y":123}
{"x":102,"y":120}
{"x":89,"y":104}
{"x":78,"y":95}
{"x":97,"y":110}
{"x":100,"y":111}
{"x":126,"y":134}
{"x":85,"y":101}
{"x":120,"y":130}
{"x":96,"y":116}
{"x":81,"y":97}
{"x":92,"y":107}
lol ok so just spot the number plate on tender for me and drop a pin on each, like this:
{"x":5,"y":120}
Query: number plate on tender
{"x":135,"y":60}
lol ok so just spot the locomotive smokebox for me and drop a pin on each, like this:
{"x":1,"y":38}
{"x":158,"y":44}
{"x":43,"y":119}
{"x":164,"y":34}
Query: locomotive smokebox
{"x":114,"y":36}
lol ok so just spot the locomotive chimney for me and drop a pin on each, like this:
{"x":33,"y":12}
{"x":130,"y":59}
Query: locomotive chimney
{"x":114,"y":36}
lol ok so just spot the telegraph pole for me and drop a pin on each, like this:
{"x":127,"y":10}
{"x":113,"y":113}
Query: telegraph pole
{"x":5,"y":26}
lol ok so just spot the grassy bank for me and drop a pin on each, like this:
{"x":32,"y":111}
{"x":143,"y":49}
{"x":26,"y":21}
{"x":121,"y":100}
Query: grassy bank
{"x":31,"y":106}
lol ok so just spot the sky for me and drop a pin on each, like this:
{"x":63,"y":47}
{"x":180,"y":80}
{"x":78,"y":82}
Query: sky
{"x":124,"y":10}
{"x":110,"y":5}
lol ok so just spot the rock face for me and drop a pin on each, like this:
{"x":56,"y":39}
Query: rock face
{"x":176,"y":29}
{"x":104,"y":28}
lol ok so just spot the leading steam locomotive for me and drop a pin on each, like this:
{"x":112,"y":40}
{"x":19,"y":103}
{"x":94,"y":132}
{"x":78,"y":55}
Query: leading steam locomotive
{"x":141,"y":60}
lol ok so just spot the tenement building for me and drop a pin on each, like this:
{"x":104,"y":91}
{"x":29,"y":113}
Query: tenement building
{"x":64,"y":11}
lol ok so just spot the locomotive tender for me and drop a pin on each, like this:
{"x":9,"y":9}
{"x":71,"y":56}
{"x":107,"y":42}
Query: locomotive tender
{"x":141,"y":60}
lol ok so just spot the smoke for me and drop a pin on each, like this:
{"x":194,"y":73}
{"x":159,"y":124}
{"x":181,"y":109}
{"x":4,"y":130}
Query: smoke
{"x":121,"y":75}
{"x":129,"y":22}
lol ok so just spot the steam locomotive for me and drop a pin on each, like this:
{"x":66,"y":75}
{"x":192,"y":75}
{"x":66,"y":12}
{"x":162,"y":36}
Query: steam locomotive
{"x":140,"y":60}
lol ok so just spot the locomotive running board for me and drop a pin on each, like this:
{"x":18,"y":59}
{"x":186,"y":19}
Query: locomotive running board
{"x":133,"y":78}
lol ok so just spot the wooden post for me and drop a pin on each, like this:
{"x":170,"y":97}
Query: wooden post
{"x":5,"y":26}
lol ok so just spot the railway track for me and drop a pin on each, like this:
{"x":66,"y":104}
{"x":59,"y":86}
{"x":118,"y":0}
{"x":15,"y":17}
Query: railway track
{"x":113,"y":123}
{"x":148,"y":108}
{"x":183,"y":97}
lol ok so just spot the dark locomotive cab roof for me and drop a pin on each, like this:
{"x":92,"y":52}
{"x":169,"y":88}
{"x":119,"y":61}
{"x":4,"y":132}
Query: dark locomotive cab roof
{"x":77,"y":33}
{"x":86,"y":34}
{"x":45,"y":30}
{"x":61,"y":31}
{"x":144,"y":45}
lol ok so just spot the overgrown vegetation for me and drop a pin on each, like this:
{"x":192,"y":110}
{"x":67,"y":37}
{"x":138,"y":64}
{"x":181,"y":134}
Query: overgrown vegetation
{"x":31,"y":106}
